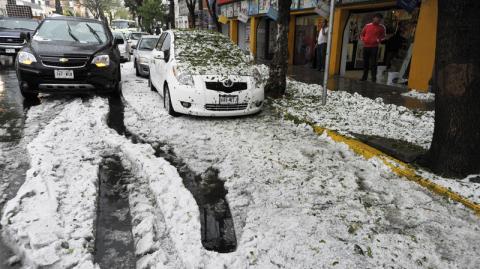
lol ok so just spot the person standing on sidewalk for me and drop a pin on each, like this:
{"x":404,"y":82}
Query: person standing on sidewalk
{"x":372,"y":35}
{"x":322,"y":45}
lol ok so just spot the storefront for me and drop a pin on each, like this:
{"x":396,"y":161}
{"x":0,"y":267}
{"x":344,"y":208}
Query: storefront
{"x":394,"y":54}
{"x":406,"y":57}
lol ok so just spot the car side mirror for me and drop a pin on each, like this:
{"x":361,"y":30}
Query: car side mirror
{"x":159,"y":55}
{"x":118,"y":41}
{"x":134,"y":46}
{"x":25,"y":36}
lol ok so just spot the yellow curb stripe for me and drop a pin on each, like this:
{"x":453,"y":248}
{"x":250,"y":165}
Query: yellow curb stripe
{"x":398,"y":167}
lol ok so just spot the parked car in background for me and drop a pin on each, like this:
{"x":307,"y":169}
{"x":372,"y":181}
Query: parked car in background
{"x":69,"y":55}
{"x":124,"y":48}
{"x":13,"y":33}
{"x":203,"y":73}
{"x":142,"y":54}
{"x":133,"y":38}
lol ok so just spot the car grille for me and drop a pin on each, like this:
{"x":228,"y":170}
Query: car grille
{"x":11,"y":40}
{"x":218,"y":107}
{"x":218,"y":86}
{"x":72,"y":61}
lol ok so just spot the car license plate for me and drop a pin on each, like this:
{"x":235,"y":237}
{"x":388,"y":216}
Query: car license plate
{"x":65,"y":74}
{"x":228,"y":99}
{"x":10,"y":51}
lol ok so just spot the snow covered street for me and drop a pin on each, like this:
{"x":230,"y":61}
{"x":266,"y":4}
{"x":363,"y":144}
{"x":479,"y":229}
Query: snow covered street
{"x":295,"y":199}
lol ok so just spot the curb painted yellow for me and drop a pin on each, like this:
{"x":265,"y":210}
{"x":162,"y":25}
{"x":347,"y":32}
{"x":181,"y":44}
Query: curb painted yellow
{"x":398,"y":167}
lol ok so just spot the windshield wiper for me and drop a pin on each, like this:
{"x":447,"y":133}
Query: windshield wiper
{"x":94,"y":33}
{"x":71,"y":34}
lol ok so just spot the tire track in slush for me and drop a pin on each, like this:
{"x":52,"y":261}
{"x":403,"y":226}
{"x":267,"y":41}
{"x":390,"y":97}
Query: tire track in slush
{"x":217,"y":226}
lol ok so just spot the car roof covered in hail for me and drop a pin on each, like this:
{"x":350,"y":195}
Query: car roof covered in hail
{"x":209,"y":53}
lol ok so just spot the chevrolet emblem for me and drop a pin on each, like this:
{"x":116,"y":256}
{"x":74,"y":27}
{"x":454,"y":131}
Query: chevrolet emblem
{"x":63,"y":60}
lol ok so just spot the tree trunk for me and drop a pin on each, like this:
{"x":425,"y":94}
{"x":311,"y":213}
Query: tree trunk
{"x":212,"y":10}
{"x":58,"y":7}
{"x":455,"y":149}
{"x":277,"y":82}
{"x":191,"y":5}
{"x":171,"y":14}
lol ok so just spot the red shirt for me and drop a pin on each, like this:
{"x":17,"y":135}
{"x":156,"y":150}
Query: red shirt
{"x":372,"y":35}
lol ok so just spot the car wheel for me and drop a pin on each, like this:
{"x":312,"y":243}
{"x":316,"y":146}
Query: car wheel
{"x":117,"y":88}
{"x":167,"y":103}
{"x":136,"y":68}
{"x":29,"y":95}
{"x":150,"y":84}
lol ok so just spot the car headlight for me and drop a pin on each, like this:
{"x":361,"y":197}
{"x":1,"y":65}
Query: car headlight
{"x":101,"y":60}
{"x":143,"y":60}
{"x":257,"y":77}
{"x":184,"y":78}
{"x":26,"y":58}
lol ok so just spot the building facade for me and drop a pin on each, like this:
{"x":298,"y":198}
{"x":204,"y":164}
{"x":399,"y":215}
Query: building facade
{"x":407,"y":54}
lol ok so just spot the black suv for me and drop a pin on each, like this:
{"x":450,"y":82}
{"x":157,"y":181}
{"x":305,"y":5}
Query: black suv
{"x":69,"y":55}
{"x":11,"y":29}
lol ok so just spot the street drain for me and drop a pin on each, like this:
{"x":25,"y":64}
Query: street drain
{"x":217,"y":227}
{"x":114,"y":247}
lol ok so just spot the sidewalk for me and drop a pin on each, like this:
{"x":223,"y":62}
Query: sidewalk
{"x":374,"y":128}
{"x":389,"y":94}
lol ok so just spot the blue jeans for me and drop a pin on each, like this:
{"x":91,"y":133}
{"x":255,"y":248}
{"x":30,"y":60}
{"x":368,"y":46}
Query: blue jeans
{"x":321,"y":54}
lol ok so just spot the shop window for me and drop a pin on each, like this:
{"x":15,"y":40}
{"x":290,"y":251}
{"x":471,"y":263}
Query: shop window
{"x":394,"y":54}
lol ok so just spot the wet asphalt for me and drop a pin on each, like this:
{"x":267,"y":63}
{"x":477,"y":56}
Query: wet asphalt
{"x":12,"y":119}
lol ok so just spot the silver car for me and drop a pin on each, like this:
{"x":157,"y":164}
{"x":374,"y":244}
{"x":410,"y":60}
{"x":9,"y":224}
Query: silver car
{"x":142,"y":54}
{"x":123,"y":48}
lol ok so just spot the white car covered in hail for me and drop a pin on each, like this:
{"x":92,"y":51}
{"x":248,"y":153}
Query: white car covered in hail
{"x":203,"y":73}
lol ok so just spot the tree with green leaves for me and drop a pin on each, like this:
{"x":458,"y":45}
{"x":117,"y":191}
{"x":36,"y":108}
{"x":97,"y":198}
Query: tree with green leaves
{"x":133,"y":6}
{"x":152,"y":12}
{"x":99,"y":7}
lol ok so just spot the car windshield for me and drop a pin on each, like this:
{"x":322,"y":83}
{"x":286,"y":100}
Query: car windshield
{"x":136,"y":36}
{"x":18,"y":24}
{"x":147,"y":43}
{"x":84,"y":32}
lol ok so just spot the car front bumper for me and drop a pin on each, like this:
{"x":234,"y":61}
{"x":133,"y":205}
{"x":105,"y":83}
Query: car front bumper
{"x":204,"y":102}
{"x":37,"y":78}
{"x":5,"y":47}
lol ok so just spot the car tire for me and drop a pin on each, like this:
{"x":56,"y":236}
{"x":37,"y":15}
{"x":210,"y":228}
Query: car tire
{"x":117,"y":88}
{"x":167,"y":102}
{"x":137,"y":73}
{"x":150,"y":84}
{"x":29,"y":95}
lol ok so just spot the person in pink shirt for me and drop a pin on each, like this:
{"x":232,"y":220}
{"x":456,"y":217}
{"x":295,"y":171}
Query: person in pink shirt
{"x":372,"y":35}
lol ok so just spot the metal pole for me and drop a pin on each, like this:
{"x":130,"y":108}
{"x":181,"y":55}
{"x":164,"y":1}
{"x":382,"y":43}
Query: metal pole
{"x":329,"y":48}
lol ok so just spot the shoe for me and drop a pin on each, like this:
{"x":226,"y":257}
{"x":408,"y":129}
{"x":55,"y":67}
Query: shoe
{"x":374,"y":80}
{"x":363,"y":79}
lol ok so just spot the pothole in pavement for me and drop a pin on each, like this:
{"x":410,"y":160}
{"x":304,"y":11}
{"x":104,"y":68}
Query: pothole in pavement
{"x":114,"y":247}
{"x":217,"y":227}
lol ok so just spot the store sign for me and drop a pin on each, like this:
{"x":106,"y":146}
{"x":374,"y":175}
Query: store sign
{"x":242,"y":17}
{"x":272,"y":13}
{"x":222,"y":19}
{"x":408,"y":5}
{"x":252,"y":7}
{"x":221,"y":2}
{"x":323,"y":8}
